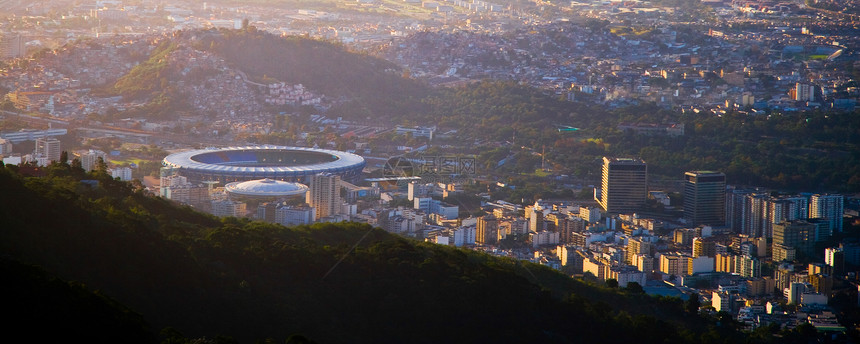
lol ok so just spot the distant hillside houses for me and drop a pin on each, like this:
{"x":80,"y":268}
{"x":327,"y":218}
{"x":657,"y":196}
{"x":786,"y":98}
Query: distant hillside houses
{"x":283,"y":94}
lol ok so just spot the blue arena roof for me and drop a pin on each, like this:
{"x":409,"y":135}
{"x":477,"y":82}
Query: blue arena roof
{"x":258,"y":162}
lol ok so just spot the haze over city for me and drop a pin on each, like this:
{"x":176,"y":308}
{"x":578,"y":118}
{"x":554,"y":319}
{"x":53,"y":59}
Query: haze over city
{"x":333,"y":171}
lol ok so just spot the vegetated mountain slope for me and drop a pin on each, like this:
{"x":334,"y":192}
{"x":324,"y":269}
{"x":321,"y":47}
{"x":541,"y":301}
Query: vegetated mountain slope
{"x":194,"y":69}
{"x":322,"y":66}
{"x":251,"y":280}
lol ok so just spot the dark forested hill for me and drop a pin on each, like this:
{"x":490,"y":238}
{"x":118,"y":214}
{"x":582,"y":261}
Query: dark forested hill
{"x":325,"y":67}
{"x":333,"y":283}
{"x":33,"y":299}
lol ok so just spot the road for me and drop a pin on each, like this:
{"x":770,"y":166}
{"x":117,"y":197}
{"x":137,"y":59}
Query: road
{"x":154,"y":137}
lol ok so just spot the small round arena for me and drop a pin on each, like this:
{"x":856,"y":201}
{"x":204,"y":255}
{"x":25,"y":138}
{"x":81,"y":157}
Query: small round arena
{"x":266,"y":190}
{"x":291,"y":164}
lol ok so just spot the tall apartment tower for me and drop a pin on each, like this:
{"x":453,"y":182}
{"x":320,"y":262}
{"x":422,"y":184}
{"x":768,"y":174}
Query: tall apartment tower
{"x":736,"y":202}
{"x":5,"y":147}
{"x":324,"y":194}
{"x":12,"y":46}
{"x":48,"y":147}
{"x":781,"y":209}
{"x":487,"y":230}
{"x":705,"y":198}
{"x":89,"y":159}
{"x":804,"y":92}
{"x":624,"y":185}
{"x":828,"y":207}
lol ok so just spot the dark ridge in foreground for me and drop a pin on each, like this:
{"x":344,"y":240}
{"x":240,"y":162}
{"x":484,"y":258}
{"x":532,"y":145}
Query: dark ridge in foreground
{"x":209,"y":277}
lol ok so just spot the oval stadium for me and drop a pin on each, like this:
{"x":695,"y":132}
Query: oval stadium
{"x":292,"y":164}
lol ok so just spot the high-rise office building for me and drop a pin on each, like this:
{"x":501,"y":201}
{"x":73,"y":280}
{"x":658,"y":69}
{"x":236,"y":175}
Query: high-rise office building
{"x":48,"y":147}
{"x":822,"y":229}
{"x":705,"y":198}
{"x":324,"y":194}
{"x":828,"y":207}
{"x":624,"y":185}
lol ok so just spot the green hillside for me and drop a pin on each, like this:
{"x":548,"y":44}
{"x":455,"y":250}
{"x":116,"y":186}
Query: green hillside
{"x":325,"y":67}
{"x":333,"y":283}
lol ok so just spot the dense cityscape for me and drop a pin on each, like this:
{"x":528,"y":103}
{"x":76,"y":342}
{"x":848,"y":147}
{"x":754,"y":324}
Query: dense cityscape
{"x":389,"y":113}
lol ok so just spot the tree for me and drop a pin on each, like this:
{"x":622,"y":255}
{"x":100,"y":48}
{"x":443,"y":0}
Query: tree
{"x":64,"y":157}
{"x":101,"y":166}
{"x":612,"y":283}
{"x":692,"y":305}
{"x":299,"y":339}
{"x":77,"y":166}
{"x":635,"y":288}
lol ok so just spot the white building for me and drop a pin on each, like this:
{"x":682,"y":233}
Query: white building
{"x":291,"y":216}
{"x":626,"y":275}
{"x":432,"y":206}
{"x":590,"y":214}
{"x":49,"y":148}
{"x":464,"y":236}
{"x":543,"y":238}
{"x":722,"y":301}
{"x":228,"y":207}
{"x":90,"y":158}
{"x":5,"y":147}
{"x":123,"y":173}
{"x":828,"y":207}
{"x":324,"y":194}
{"x":700,"y":264}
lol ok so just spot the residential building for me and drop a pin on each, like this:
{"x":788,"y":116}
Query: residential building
{"x":12,"y":46}
{"x":699,"y":265}
{"x":828,"y":207}
{"x":590,"y":214}
{"x":226,"y":207}
{"x":324,"y":194}
{"x":673,"y":264}
{"x":487,"y":230}
{"x":704,"y":248}
{"x":49,"y":148}
{"x":637,"y":246}
{"x":749,"y":266}
{"x":90,"y":158}
{"x":294,"y":215}
{"x":123,"y":173}
{"x":5,"y":147}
